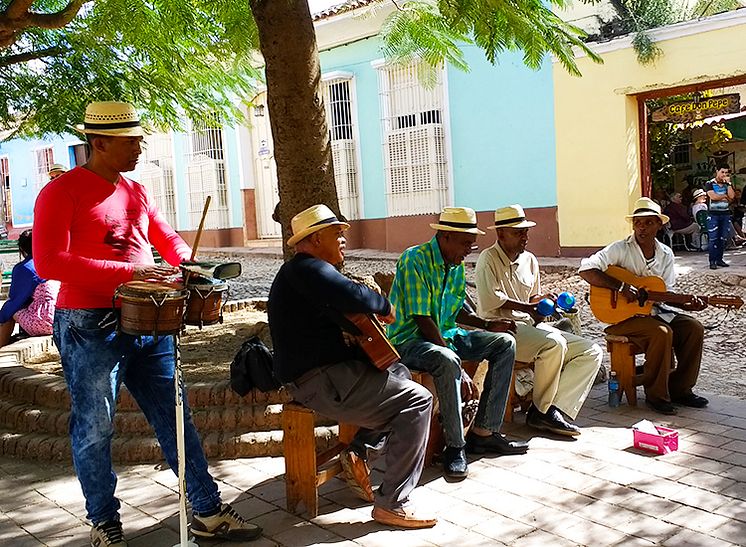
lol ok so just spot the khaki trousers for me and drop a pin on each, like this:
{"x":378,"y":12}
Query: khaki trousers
{"x":565,"y":366}
{"x":684,"y":335}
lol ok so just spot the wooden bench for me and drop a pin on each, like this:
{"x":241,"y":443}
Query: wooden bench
{"x":305,"y":468}
{"x":622,"y":353}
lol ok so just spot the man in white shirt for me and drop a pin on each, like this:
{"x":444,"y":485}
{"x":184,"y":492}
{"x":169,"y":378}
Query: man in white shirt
{"x":509,"y":287}
{"x":666,"y":329}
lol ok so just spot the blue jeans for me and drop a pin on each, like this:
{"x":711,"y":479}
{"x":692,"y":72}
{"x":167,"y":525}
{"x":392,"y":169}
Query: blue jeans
{"x":96,"y":360}
{"x":445,"y":366}
{"x":718,"y":232}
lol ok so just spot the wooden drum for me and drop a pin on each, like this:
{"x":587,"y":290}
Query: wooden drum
{"x":206,"y":300}
{"x":151,"y":308}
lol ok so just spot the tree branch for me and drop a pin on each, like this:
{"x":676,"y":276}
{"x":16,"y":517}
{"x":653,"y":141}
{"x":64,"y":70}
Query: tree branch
{"x":56,"y":20}
{"x":9,"y":60}
{"x":17,"y":9}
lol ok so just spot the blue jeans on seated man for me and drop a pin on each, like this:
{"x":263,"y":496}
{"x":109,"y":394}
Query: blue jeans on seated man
{"x":444,"y":365}
{"x":96,"y":360}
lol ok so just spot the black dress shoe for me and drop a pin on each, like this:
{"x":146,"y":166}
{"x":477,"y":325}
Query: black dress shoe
{"x":495,"y":443}
{"x":722,"y":263}
{"x":552,"y":421}
{"x":691,"y":399}
{"x":664,"y":407}
{"x":713,"y":266}
{"x":454,"y":463}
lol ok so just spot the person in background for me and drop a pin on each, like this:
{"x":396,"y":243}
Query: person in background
{"x":681,"y":221}
{"x":737,"y":211}
{"x":687,"y":193}
{"x":31,"y":299}
{"x":721,"y":194}
{"x":700,"y":202}
{"x":56,"y":170}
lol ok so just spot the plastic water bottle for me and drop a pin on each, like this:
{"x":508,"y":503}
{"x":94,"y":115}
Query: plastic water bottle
{"x":614,"y":393}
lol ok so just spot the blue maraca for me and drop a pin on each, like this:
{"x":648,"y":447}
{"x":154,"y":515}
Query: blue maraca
{"x":566,"y":301}
{"x":545,"y":307}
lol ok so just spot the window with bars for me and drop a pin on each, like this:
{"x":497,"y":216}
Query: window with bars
{"x":7,"y":211}
{"x":338,"y":102}
{"x":414,"y":143}
{"x":157,"y":173}
{"x":43,"y":160}
{"x":206,"y":173}
{"x":681,"y":154}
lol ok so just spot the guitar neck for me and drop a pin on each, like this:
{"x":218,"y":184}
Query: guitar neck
{"x":672,"y":297}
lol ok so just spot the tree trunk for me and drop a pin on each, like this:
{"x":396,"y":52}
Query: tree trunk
{"x":302,"y":150}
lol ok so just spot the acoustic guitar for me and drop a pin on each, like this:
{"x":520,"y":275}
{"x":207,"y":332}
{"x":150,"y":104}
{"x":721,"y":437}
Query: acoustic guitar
{"x":373,"y":341}
{"x":611,"y":307}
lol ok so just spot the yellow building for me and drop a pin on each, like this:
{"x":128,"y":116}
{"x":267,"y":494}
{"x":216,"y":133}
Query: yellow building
{"x":600,"y":120}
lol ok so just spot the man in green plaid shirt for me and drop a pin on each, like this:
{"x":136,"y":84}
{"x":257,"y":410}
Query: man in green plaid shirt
{"x":428,"y":294}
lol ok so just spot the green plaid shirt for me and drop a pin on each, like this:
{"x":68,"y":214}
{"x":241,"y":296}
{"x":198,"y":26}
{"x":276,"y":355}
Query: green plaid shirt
{"x":425,"y":286}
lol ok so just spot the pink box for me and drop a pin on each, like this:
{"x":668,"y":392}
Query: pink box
{"x":666,"y":441}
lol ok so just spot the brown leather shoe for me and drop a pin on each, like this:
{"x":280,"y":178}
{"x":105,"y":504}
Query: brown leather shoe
{"x":402,"y":518}
{"x":356,"y":474}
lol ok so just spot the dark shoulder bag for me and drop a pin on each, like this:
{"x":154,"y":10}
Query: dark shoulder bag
{"x":252,"y":368}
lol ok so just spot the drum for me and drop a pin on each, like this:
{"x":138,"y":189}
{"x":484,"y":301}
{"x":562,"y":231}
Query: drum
{"x":206,"y":300}
{"x":151,"y":308}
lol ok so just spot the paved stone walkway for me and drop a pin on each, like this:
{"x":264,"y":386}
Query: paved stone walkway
{"x":595,"y":491}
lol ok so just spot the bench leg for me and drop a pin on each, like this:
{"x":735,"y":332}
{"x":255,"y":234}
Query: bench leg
{"x":623,"y":363}
{"x":299,"y":448}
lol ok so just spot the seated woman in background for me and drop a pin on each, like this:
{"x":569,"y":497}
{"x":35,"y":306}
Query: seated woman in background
{"x":31,"y":300}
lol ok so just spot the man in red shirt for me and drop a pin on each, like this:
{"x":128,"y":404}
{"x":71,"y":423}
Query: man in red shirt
{"x":92,"y":231}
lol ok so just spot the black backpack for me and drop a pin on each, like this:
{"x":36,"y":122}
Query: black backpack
{"x":252,"y":368}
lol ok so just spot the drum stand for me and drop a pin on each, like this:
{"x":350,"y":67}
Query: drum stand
{"x":180,"y":446}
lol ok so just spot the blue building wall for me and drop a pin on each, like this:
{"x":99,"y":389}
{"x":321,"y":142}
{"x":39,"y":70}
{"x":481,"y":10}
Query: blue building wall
{"x":20,"y":154}
{"x":501,"y":129}
{"x":21,"y":162}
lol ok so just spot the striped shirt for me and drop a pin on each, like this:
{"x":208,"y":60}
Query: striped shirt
{"x":424,"y":285}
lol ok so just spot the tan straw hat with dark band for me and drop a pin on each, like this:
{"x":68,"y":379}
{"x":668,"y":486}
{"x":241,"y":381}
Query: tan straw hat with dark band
{"x":457,"y":219}
{"x":511,"y":216}
{"x":111,"y":118}
{"x":646,"y":207}
{"x":313,"y":219}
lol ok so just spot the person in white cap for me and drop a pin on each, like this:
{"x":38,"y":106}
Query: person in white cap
{"x":664,"y":333}
{"x":93,"y":230}
{"x":429,"y":294}
{"x":307,"y":302}
{"x":509,"y":287}
{"x":55,"y":170}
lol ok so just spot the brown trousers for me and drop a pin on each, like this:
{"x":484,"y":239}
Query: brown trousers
{"x":684,"y":335}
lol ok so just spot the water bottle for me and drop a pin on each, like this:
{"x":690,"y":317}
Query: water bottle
{"x":614,"y":393}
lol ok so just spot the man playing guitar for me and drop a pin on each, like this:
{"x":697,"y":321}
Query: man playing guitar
{"x":665,"y":329}
{"x":321,"y":371}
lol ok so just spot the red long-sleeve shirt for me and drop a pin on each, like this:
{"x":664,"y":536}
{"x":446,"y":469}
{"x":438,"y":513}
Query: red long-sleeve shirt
{"x":90,"y":234}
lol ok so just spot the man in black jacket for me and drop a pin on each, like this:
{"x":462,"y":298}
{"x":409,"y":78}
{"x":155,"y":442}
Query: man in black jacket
{"x":307,"y":302}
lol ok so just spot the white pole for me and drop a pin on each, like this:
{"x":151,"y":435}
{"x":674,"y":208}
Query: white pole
{"x":180,"y":447}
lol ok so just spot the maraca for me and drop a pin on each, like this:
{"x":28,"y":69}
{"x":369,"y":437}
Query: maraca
{"x":547,"y":306}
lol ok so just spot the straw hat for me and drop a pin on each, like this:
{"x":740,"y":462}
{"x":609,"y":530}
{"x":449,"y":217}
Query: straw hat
{"x":111,"y":118}
{"x":313,"y":219}
{"x":56,"y":167}
{"x":457,"y":219}
{"x":646,"y":207}
{"x":698,"y":193}
{"x":511,"y":216}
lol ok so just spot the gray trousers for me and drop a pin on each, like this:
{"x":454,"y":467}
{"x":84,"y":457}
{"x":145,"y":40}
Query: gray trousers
{"x":381,"y":402}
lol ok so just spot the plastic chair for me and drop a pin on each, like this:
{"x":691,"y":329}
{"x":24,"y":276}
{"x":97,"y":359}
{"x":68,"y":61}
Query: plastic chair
{"x":701,"y":219}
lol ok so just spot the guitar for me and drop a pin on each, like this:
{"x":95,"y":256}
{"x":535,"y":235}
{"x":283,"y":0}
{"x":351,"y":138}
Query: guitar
{"x":610,"y":307}
{"x":373,"y":341}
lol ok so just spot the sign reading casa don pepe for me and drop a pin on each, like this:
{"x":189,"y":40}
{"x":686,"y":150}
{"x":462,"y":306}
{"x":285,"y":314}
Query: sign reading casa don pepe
{"x":691,"y":111}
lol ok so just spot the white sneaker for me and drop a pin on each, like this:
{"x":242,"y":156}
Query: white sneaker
{"x":108,"y":534}
{"x":227,"y":524}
